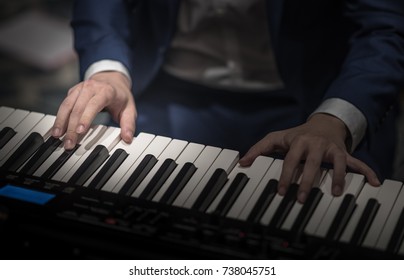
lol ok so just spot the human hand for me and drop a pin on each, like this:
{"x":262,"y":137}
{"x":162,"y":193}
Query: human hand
{"x":320,"y":139}
{"x":104,"y":90}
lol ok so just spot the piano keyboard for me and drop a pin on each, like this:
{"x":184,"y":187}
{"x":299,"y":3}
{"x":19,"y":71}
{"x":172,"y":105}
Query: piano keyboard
{"x":169,"y":198}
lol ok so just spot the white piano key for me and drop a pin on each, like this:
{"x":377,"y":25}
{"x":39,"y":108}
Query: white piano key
{"x":276,"y":165}
{"x":172,"y":151}
{"x":108,"y":138}
{"x":14,"y":119}
{"x":353,"y":185}
{"x":275,"y":170}
{"x":202,"y":163}
{"x":87,"y":143}
{"x":226,"y":160}
{"x":113,"y":147}
{"x":128,"y":148}
{"x":57,"y":153}
{"x":291,"y":218}
{"x":134,"y":150}
{"x":23,"y":129}
{"x":5,"y":112}
{"x":366,"y":193}
{"x":190,"y":154}
{"x":323,"y":205}
{"x":117,"y":146}
{"x":391,"y":222}
{"x":297,"y":207}
{"x":231,"y":177}
{"x":387,"y":195}
{"x":43,"y":128}
{"x":111,"y":139}
{"x":255,"y":173}
{"x":155,"y":148}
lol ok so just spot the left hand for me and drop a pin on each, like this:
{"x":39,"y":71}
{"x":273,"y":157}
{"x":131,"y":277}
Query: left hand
{"x":320,"y":139}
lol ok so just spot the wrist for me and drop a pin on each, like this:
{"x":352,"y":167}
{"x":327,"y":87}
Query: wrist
{"x":111,"y":77}
{"x":333,"y":125}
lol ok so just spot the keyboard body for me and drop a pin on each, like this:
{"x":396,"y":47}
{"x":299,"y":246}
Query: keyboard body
{"x":44,"y":217}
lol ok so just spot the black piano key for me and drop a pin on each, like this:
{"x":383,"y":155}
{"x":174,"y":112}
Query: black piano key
{"x":365,"y":221}
{"x":108,"y":169}
{"x":24,"y":152}
{"x":5,"y":135}
{"x":284,"y":207}
{"x":158,"y":179}
{"x":341,"y":218}
{"x":41,"y":155}
{"x":138,"y":175}
{"x":51,"y":171}
{"x":307,"y":211}
{"x":263,"y":201}
{"x":89,"y":166}
{"x":178,"y":183}
{"x":397,"y":236}
{"x":231,"y":194}
{"x":211,"y":190}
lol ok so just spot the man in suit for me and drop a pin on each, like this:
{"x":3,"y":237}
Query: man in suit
{"x":314,"y":80}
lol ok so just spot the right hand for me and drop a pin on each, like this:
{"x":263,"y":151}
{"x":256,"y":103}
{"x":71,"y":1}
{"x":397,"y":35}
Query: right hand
{"x":104,"y":90}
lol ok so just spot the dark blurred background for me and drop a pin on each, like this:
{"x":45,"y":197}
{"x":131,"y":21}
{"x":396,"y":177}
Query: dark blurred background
{"x":38,"y":64}
{"x":37,"y":75}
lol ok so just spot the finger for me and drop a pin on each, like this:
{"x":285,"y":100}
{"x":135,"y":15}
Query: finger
{"x":339,"y":172}
{"x":127,"y":122}
{"x":63,"y":114}
{"x":265,"y":146}
{"x":84,"y":95}
{"x":93,"y":107}
{"x":310,"y":172}
{"x":364,"y":169}
{"x":290,"y":164}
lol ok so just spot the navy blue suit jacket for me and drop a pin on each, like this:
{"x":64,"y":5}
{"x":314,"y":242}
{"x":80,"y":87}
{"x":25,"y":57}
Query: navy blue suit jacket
{"x":350,"y":49}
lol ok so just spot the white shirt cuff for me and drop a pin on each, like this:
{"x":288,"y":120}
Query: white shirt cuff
{"x":353,"y":118}
{"x":106,"y":65}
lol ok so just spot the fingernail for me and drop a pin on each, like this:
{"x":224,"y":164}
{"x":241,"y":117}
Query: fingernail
{"x":128,"y":136}
{"x":302,"y":197}
{"x":245,"y":161}
{"x":80,"y":129}
{"x":282,"y":191}
{"x":68,"y":144}
{"x":56,"y":132}
{"x":337,"y":190}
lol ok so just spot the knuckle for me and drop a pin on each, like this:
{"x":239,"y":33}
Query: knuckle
{"x":337,"y":152}
{"x":291,"y":159}
{"x":272,"y":134}
{"x":301,"y":141}
{"x":67,"y":103}
{"x":107,"y":89}
{"x":77,"y":110}
{"x":311,"y":161}
{"x":95,"y":103}
{"x":70,"y":91}
{"x":89,"y":83}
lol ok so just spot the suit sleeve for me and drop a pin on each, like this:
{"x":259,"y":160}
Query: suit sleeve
{"x":101,"y":32}
{"x":373,"y":71}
